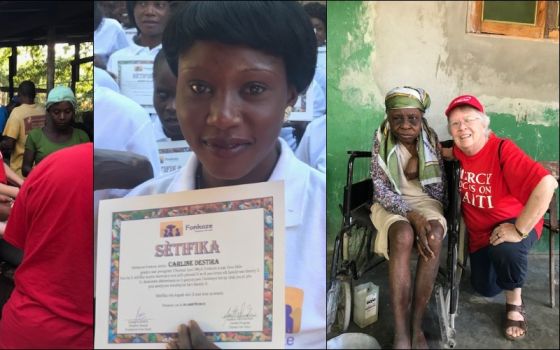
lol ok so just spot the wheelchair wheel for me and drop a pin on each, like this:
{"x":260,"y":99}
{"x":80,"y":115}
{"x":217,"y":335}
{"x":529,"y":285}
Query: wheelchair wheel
{"x":339,"y":306}
{"x":357,"y":244}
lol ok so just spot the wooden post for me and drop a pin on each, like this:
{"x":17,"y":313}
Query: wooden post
{"x":12,"y":71}
{"x":76,"y":67}
{"x":50,"y":58}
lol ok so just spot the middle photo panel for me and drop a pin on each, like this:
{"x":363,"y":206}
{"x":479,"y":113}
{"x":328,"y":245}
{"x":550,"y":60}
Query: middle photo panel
{"x":210,"y":188}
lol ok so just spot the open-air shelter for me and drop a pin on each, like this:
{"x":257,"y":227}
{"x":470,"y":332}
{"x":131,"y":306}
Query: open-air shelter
{"x":29,"y":23}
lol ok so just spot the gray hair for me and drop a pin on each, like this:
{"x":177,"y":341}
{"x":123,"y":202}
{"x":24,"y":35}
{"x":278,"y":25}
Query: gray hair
{"x":481,"y":115}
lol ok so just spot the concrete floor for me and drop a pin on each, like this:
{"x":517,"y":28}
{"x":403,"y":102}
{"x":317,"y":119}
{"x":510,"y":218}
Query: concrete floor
{"x":479,"y":320}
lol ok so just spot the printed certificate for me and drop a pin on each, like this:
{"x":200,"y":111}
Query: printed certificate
{"x":173,"y":155}
{"x":215,"y":256}
{"x":136,"y":81}
{"x":303,"y":108}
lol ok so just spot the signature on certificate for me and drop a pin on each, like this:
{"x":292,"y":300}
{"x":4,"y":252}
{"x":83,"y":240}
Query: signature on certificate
{"x":140,"y":316}
{"x":140,"y":322}
{"x":240,"y":312}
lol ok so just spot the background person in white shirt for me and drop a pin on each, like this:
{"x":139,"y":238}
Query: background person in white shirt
{"x":150,"y":18}
{"x":108,"y":36}
{"x":312,"y":148}
{"x":121,"y":125}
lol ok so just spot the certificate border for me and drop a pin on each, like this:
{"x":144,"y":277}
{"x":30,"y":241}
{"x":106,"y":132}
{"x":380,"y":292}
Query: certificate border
{"x":265,"y":203}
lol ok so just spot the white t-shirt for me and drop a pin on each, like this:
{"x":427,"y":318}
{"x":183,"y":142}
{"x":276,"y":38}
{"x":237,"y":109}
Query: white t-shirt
{"x":159,"y":134}
{"x":102,"y":78}
{"x":121,"y":124}
{"x":319,"y":99}
{"x":130,"y":34}
{"x":320,"y":77}
{"x":321,"y":68}
{"x":108,"y":38}
{"x":133,"y":51}
{"x":144,"y":53}
{"x":305,"y":239}
{"x":312,"y":149}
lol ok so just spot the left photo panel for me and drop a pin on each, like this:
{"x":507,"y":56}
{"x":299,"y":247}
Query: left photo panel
{"x":46,"y":175}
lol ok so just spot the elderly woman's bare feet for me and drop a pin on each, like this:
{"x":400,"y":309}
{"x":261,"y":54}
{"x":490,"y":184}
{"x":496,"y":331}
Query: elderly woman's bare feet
{"x":401,"y":341}
{"x":419,"y":340}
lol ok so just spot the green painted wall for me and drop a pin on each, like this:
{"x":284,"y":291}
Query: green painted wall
{"x":350,"y":126}
{"x":353,"y":116}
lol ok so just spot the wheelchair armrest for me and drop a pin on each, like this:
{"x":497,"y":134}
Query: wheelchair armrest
{"x":357,"y":154}
{"x":446,"y":143}
{"x":453,"y":209}
{"x":350,"y":169}
{"x":364,"y":186}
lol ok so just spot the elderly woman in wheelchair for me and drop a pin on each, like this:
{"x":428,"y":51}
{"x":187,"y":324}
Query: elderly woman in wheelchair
{"x":407,"y":211}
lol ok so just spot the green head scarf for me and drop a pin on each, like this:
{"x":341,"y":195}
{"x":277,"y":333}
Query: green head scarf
{"x":61,"y":94}
{"x":407,"y":97}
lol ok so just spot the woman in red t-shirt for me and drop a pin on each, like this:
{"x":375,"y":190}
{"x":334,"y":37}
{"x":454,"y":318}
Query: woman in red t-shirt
{"x":504,"y":196}
{"x":51,"y":305}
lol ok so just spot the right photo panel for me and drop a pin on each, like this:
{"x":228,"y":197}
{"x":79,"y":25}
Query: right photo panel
{"x":442,"y":174}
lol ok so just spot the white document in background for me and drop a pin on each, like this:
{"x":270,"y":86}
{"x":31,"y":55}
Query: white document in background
{"x":173,"y":155}
{"x":135,"y":79}
{"x":303,"y":108}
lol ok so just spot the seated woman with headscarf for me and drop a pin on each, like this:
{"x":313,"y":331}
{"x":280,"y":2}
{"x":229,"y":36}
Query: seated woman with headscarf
{"x":57,"y":133}
{"x":408,"y":197}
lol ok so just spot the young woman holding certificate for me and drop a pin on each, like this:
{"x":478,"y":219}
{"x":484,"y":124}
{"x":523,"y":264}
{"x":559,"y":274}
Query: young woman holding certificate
{"x":239,"y":66}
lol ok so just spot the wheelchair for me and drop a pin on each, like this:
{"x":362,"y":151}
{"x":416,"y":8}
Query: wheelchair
{"x":353,"y":256}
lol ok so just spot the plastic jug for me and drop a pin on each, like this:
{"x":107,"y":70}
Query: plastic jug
{"x":366,"y":302}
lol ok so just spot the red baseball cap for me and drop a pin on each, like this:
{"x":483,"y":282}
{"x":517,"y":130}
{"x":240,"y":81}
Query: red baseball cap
{"x":463,"y":100}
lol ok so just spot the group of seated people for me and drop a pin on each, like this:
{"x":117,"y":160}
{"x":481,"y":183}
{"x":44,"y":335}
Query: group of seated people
{"x":32,"y":132}
{"x":44,"y":199}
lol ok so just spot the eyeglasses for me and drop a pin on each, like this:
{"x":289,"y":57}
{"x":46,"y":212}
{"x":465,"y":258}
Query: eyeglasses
{"x":467,"y":121}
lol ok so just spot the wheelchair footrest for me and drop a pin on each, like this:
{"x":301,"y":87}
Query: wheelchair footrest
{"x":446,"y":319}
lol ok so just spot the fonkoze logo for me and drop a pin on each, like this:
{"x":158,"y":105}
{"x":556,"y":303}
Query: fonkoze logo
{"x":171,"y":229}
{"x":199,"y":227}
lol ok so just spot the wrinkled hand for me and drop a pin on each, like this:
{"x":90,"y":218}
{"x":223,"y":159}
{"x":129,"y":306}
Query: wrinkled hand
{"x":191,"y":337}
{"x":422,"y":229}
{"x":446,"y":152}
{"x":505,"y":232}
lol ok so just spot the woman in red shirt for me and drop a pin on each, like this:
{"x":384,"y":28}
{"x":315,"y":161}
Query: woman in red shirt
{"x":51,"y":305}
{"x":504,"y":196}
